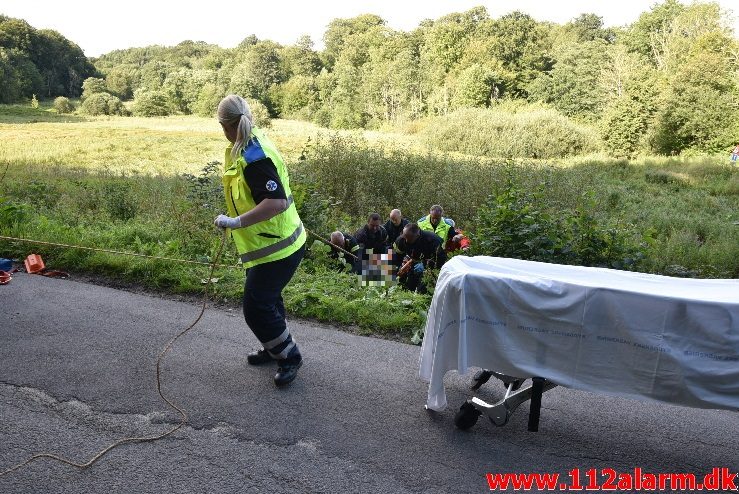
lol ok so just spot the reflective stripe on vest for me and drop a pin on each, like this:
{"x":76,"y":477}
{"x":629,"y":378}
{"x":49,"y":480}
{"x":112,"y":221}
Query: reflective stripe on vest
{"x":271,"y":249}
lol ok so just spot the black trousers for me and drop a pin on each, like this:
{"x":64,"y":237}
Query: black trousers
{"x":264,"y":309}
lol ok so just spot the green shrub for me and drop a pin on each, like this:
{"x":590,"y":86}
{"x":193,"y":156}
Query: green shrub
{"x":151,"y":104}
{"x":509,"y":224}
{"x":206,"y":189}
{"x":359,"y":178}
{"x":93,"y":85}
{"x":208,"y":98}
{"x":120,"y":201}
{"x":63,"y":105}
{"x":102,"y":104}
{"x":12,"y":213}
{"x":530,"y":132}
{"x":512,"y":224}
{"x":259,"y":113}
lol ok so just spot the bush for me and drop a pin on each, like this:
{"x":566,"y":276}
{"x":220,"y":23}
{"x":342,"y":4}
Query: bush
{"x":102,"y":104}
{"x":206,"y":104}
{"x":151,"y":104}
{"x":259,"y":113}
{"x":206,"y":189}
{"x":63,"y":105}
{"x":34,"y":102}
{"x":513,"y":224}
{"x":93,"y":85}
{"x":359,"y":178}
{"x":530,"y":132}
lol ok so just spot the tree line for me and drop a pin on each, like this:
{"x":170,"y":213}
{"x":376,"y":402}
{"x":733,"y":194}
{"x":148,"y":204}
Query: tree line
{"x":666,"y":83}
{"x":41,"y":62}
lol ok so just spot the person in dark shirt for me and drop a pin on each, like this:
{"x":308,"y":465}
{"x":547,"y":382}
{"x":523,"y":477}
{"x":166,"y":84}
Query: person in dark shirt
{"x":417,"y":250}
{"x":349,"y":244}
{"x":372,"y":236}
{"x":394,"y":226}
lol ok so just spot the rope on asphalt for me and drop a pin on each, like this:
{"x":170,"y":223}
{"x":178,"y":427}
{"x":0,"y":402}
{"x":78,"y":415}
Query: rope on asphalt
{"x":165,"y":350}
{"x":142,"y":439}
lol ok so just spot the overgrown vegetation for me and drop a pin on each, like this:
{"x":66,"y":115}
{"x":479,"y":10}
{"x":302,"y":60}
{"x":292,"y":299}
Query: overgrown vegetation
{"x":152,"y":185}
{"x":512,"y":223}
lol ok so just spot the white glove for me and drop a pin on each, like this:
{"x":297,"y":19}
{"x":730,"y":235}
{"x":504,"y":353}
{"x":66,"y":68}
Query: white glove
{"x":224,"y":221}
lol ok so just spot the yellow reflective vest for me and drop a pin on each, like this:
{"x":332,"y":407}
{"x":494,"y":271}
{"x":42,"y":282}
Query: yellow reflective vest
{"x":272,"y":239}
{"x":442,"y":229}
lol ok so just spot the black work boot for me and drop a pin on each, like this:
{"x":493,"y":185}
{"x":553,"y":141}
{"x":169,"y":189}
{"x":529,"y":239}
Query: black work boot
{"x":287,"y":370}
{"x":259,"y":357}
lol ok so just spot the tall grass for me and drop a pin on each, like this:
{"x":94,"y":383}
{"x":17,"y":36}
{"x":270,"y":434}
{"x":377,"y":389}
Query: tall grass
{"x":684,"y":210}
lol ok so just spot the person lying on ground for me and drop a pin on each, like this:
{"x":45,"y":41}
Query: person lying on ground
{"x":458,"y":242}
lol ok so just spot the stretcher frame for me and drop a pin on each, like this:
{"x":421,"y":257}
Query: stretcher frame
{"x":500,"y":412}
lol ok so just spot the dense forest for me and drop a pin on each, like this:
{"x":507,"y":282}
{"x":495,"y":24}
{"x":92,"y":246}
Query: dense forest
{"x":41,"y":62}
{"x":669,"y":82}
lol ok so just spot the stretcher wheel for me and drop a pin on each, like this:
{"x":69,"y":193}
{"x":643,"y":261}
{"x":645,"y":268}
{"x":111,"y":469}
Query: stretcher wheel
{"x":467,"y":416}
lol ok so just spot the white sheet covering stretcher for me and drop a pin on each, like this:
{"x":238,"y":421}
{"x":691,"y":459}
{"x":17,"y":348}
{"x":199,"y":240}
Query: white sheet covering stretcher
{"x":621,"y":333}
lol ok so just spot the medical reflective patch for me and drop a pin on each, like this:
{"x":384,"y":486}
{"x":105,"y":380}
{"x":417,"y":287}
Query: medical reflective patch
{"x":271,"y":185}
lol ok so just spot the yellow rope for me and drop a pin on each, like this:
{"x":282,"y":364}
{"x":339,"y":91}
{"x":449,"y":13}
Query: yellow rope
{"x":136,"y":254}
{"x":164,"y":351}
{"x":117,"y":252}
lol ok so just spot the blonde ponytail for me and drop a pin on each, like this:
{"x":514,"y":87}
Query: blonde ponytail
{"x":233,"y":110}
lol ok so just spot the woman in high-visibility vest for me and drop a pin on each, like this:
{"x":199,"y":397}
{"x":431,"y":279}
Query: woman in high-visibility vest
{"x":267,"y":231}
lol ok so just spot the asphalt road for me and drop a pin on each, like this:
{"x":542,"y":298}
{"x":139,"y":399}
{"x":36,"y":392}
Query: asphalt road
{"x":77,"y":372}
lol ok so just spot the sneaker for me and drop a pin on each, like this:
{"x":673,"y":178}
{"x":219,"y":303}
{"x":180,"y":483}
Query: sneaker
{"x":259,"y":357}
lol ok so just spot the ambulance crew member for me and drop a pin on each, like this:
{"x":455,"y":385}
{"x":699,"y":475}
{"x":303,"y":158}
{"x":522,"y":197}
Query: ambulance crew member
{"x":267,"y":231}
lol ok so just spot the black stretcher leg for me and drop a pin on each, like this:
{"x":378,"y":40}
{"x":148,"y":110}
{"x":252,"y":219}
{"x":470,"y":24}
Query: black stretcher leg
{"x":537,"y":389}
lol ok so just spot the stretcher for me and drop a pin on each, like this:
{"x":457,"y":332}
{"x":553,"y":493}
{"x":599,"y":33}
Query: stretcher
{"x":534,"y":326}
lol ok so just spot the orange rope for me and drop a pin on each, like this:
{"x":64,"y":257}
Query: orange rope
{"x":141,"y":439}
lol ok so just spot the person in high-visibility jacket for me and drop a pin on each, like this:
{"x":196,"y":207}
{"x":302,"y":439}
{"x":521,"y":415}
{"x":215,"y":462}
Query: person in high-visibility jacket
{"x":435,"y":222}
{"x":266,"y":229}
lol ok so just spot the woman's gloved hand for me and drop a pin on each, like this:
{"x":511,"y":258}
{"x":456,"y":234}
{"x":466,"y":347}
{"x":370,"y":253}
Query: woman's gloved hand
{"x":223,"y":221}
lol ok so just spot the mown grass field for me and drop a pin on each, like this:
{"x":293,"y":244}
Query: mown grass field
{"x":117,"y":182}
